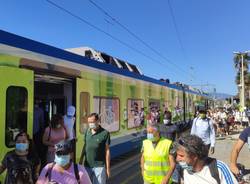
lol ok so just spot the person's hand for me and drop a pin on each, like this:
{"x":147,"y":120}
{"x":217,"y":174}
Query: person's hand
{"x":212,"y":150}
{"x":234,"y":169}
{"x":36,"y":176}
{"x":165,"y":180}
{"x":108,"y":173}
{"x":142,"y":172}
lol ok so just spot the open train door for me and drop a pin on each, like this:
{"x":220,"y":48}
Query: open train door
{"x":84,"y":97}
{"x":16,"y":105}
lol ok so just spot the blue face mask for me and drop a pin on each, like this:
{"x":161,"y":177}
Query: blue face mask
{"x":62,"y":160}
{"x":151,"y":137}
{"x":22,"y":146}
{"x":92,"y":126}
{"x":186,"y":166}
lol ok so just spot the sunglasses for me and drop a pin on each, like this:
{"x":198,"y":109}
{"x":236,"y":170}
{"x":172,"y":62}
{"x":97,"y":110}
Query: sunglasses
{"x":193,"y":148}
{"x":183,"y":143}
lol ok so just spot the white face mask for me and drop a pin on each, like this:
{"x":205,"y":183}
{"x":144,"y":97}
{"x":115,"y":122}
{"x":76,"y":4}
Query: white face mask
{"x":92,"y":125}
{"x":186,"y":166}
{"x":58,"y":126}
{"x":166,"y":121}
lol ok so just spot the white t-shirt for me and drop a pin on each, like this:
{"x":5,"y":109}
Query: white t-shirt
{"x":244,"y":116}
{"x":205,"y":177}
{"x":69,"y":125}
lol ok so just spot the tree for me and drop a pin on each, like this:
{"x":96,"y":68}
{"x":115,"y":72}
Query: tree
{"x":238,"y":66}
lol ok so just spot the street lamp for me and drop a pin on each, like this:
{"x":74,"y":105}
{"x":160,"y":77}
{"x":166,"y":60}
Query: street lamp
{"x":242,"y":99}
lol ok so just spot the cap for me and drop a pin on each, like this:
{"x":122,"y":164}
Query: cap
{"x":71,"y":110}
{"x":202,"y":110}
{"x":63,"y":147}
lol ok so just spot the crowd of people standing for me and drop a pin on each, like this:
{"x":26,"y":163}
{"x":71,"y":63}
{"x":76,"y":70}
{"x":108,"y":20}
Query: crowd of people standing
{"x":165,"y":157}
{"x":229,"y":120}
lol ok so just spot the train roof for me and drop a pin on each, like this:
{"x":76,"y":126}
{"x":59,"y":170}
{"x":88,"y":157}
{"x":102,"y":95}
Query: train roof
{"x":11,"y":40}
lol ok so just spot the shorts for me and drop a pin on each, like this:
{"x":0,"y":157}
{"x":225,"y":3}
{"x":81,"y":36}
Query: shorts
{"x":245,"y":123}
{"x":97,"y":175}
{"x":221,"y":125}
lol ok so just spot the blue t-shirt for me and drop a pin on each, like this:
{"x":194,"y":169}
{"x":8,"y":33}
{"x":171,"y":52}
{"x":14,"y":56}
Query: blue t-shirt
{"x":245,"y":135}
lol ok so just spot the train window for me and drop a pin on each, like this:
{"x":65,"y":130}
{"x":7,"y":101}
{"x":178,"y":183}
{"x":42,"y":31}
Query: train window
{"x":135,"y":112}
{"x":84,"y":110}
{"x":16,"y":113}
{"x":108,"y":109}
{"x":154,"y":111}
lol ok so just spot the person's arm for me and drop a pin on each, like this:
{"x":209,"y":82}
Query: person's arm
{"x":234,"y":156}
{"x":66,"y":134}
{"x":3,"y":165}
{"x":142,"y":164}
{"x":42,"y":178}
{"x":193,"y":127}
{"x":170,"y":171}
{"x":84,"y":177}
{"x":83,"y":148}
{"x":212,"y":135}
{"x":107,"y":150}
{"x":46,"y":140}
{"x":37,"y":170}
{"x":2,"y":168}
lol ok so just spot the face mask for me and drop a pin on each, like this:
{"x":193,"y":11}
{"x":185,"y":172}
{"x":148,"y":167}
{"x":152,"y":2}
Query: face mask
{"x":92,"y":125}
{"x":22,"y":146}
{"x":186,"y":166}
{"x":58,"y":126}
{"x":151,"y":137}
{"x":166,"y":121}
{"x":70,"y":116}
{"x":203,"y":116}
{"x":62,"y":160}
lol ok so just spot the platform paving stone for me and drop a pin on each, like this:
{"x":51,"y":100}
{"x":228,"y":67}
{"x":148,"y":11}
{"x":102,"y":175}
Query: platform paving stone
{"x":223,"y":148}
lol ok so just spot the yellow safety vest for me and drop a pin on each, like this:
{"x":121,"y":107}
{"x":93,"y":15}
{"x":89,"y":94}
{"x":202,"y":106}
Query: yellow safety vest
{"x":156,"y":162}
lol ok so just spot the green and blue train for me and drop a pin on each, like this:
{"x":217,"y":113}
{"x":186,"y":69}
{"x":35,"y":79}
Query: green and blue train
{"x":113,"y":88}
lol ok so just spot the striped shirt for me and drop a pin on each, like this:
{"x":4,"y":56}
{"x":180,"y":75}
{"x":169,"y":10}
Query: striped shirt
{"x":204,"y":176}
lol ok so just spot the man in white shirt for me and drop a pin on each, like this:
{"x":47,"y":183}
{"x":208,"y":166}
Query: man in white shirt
{"x":203,"y":128}
{"x":197,"y":168}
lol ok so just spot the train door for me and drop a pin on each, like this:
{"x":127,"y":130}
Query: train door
{"x":16,"y":105}
{"x":52,"y":94}
{"x":84,"y":97}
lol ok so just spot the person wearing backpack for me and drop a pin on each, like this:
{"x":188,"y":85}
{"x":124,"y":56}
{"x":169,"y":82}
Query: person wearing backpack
{"x":63,"y":170}
{"x":203,"y":127}
{"x":197,"y":167}
{"x":22,"y":164}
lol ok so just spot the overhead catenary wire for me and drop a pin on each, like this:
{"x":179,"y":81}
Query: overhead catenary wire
{"x":178,"y":33}
{"x":104,"y":32}
{"x":110,"y":35}
{"x":141,"y":40}
{"x":107,"y":34}
{"x":176,"y":28}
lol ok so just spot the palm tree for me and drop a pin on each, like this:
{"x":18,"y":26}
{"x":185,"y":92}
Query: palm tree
{"x":238,"y":66}
{"x":237,"y":61}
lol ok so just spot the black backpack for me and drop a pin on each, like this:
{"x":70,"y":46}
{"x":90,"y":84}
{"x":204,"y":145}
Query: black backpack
{"x":19,"y":170}
{"x":212,"y":165}
{"x":49,"y":171}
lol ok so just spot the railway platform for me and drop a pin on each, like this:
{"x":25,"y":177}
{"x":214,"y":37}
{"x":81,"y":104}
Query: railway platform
{"x":128,"y":172}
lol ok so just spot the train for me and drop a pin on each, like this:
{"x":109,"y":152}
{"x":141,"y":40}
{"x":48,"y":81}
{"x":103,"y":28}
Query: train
{"x":90,"y":80}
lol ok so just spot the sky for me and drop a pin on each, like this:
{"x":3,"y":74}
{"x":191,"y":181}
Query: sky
{"x":189,"y":41}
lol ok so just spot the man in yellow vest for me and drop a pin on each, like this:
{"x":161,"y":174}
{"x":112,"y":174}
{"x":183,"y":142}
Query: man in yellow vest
{"x":156,"y":163}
